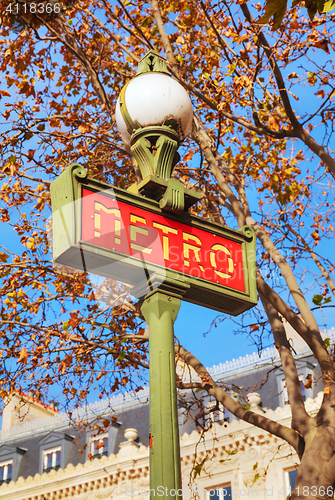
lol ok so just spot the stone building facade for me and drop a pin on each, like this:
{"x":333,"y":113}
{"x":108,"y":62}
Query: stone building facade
{"x":45,"y":456}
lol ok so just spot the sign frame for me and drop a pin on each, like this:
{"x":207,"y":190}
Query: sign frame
{"x":70,"y":250}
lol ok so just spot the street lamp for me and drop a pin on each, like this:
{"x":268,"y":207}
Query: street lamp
{"x":153,"y":99}
{"x":119,"y":234}
{"x":153,"y":115}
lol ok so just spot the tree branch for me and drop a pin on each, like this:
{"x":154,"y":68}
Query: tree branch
{"x":301,"y":421}
{"x":71,"y":44}
{"x":102,"y":26}
{"x":287,"y":272}
{"x":312,"y":339}
{"x":277,"y":73}
{"x":165,"y":39}
{"x":201,"y":137}
{"x":289,"y":435}
{"x":314,"y":257}
{"x":145,"y":39}
{"x":300,"y":132}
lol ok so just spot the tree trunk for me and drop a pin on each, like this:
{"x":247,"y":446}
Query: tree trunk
{"x":315,"y":479}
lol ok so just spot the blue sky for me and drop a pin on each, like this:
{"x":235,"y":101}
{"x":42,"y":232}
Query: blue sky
{"x":220,"y":344}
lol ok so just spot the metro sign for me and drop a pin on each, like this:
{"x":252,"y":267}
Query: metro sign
{"x":127,"y":237}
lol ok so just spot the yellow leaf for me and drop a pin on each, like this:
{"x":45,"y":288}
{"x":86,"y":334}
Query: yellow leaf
{"x":315,"y":236}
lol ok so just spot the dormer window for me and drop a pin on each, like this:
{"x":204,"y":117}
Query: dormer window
{"x":54,"y":451}
{"x":218,"y":413}
{"x":101,"y":441}
{"x":305,"y":371}
{"x":10,"y":462}
{"x":99,"y":445}
{"x":6,"y":469}
{"x":51,"y":459}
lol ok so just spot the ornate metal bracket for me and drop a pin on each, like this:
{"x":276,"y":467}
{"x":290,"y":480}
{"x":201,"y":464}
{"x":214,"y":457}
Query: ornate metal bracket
{"x":155,"y":150}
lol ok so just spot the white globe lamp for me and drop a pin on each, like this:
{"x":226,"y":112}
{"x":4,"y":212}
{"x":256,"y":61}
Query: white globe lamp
{"x":154,"y":115}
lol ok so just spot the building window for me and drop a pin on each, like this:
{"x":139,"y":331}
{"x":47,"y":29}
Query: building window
{"x":219,"y":493}
{"x":289,"y":480}
{"x":6,"y":469}
{"x":217,"y":411}
{"x":51,"y":459}
{"x":99,"y":446}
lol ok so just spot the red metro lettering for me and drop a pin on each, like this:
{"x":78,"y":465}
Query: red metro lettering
{"x":161,"y":241}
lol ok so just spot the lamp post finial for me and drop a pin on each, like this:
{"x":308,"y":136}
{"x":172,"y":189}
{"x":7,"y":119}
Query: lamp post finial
{"x":152,"y":62}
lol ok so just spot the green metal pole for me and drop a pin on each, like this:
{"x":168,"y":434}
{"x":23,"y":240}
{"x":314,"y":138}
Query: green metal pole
{"x":160,"y":311}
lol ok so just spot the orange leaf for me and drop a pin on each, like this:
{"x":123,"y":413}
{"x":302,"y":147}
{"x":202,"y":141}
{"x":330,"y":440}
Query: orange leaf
{"x":188,"y":156}
{"x":74,"y":321}
{"x":23,"y":356}
{"x":274,"y":123}
{"x":308,"y":384}
{"x":323,"y":45}
{"x":294,"y":25}
{"x":101,"y":374}
{"x":83,"y":128}
{"x":62,"y":368}
{"x":3,"y":257}
{"x":321,"y":93}
{"x":68,"y":360}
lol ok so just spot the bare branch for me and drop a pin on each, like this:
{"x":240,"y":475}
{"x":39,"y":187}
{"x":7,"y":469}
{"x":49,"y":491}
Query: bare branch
{"x":113,"y":37}
{"x":300,"y":132}
{"x":314,"y":257}
{"x":165,"y":39}
{"x":313,"y":339}
{"x":287,"y":272}
{"x":289,"y":435}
